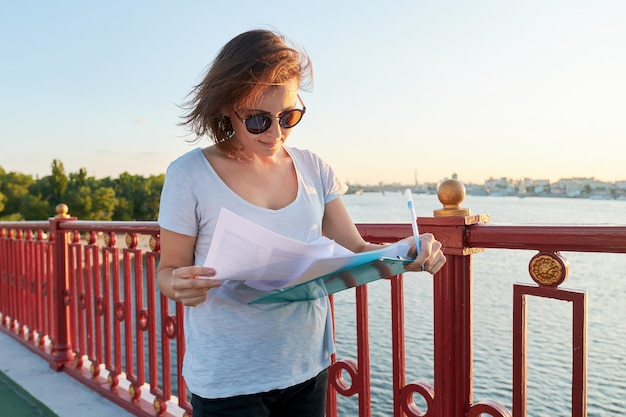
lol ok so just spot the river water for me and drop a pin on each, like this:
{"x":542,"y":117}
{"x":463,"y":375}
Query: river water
{"x":495,"y":271}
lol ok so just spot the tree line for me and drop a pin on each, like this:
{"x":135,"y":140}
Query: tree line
{"x":128,"y":197}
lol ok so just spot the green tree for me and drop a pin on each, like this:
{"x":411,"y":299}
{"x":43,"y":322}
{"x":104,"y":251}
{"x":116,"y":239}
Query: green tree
{"x":129,"y":197}
{"x":34,"y":208}
{"x":87,"y":198}
{"x":59,"y":180}
{"x":19,"y":198}
{"x":138,"y":197}
{"x":103,"y":204}
{"x":15,"y":186}
{"x":149,"y":209}
{"x":52,"y":188}
{"x":3,"y":198}
{"x":127,"y":193}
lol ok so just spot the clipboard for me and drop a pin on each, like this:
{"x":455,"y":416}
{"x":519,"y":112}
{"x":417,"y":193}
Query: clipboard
{"x":339,"y":280}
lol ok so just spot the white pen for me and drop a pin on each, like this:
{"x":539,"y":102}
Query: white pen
{"x":416,"y":235}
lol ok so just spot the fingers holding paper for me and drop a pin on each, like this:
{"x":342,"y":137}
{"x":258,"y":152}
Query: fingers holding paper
{"x":431,"y":257}
{"x":183,"y":283}
{"x":190,"y":284}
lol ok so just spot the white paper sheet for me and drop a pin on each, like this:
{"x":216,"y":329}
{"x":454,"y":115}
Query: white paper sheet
{"x":243,"y":250}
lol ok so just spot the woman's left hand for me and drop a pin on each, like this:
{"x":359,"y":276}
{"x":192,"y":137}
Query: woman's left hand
{"x":431,"y":257}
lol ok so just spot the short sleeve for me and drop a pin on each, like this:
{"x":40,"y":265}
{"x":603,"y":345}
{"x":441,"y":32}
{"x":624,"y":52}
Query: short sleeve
{"x":177,"y":209}
{"x":333,"y":186}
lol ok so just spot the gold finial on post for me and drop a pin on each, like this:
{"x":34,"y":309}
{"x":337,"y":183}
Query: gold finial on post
{"x":62,"y":211}
{"x":451,"y":194}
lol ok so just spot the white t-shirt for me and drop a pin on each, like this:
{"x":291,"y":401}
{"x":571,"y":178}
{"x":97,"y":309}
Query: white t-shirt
{"x":232,"y":347}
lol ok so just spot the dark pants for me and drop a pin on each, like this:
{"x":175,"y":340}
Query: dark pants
{"x":307,"y":399}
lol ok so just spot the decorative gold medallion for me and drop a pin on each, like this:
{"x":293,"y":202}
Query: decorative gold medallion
{"x":154,"y":243}
{"x":549,"y":269}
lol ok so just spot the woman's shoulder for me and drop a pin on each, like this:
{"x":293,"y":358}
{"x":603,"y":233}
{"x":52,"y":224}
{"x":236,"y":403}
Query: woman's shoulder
{"x":309,"y":161}
{"x":189,"y":165}
{"x":303,"y":155}
{"x":312,"y":166}
{"x":193,"y":155}
{"x":191,"y":158}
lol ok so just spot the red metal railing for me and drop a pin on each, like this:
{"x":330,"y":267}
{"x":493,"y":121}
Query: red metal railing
{"x":73,"y":294}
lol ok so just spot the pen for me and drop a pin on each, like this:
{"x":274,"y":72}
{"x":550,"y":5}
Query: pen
{"x":409,"y":201}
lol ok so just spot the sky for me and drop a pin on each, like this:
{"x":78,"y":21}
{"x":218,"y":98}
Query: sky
{"x":403,"y":90}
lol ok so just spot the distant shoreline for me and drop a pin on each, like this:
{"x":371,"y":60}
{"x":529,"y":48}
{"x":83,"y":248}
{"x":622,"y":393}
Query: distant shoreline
{"x":580,"y":197}
{"x":586,"y":188}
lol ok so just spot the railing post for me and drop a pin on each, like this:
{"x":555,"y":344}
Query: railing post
{"x":62,"y":348}
{"x":452,"y":293}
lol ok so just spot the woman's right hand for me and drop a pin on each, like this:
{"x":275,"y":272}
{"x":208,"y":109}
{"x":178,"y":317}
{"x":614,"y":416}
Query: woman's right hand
{"x":190,"y":284}
{"x":186,"y":284}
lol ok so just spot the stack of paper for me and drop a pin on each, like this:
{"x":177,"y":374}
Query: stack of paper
{"x":271,"y":261}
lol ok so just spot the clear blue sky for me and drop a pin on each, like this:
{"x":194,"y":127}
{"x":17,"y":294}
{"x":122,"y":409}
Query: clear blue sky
{"x":479,"y":88}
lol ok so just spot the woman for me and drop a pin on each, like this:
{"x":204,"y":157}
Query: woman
{"x":262,"y":359}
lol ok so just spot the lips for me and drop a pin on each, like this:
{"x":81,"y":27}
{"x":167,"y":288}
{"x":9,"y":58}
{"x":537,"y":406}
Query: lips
{"x":271,"y":144}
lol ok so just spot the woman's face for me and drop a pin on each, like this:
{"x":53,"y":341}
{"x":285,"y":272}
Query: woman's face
{"x":274,"y":101}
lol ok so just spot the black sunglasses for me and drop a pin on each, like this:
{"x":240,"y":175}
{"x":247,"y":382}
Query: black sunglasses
{"x":259,"y":123}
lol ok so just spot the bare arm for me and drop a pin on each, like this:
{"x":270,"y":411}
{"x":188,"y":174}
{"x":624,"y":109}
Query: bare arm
{"x":338,"y":225}
{"x":177,"y":275}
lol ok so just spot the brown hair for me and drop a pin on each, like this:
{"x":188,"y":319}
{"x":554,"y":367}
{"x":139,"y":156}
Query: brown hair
{"x":241,"y":71}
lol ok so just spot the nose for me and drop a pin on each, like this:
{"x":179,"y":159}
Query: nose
{"x":275,"y":128}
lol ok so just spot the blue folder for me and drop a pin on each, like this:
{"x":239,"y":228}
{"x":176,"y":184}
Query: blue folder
{"x":337,"y":281}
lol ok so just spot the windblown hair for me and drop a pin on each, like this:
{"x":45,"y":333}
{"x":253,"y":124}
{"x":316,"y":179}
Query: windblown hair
{"x":245,"y":67}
